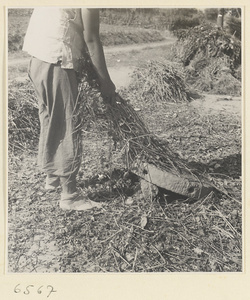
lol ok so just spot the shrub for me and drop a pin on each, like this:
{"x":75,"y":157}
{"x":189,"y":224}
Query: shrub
{"x":208,"y":40}
{"x":148,"y":17}
{"x":233,"y":26}
{"x":211,"y":14}
{"x":211,"y":58}
{"x":184,"y":23}
{"x":15,"y":41}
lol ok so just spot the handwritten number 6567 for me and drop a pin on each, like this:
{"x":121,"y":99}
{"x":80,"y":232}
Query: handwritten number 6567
{"x":28,"y":289}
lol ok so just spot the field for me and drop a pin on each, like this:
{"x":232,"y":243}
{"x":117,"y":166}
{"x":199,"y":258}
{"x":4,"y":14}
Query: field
{"x":137,"y":229}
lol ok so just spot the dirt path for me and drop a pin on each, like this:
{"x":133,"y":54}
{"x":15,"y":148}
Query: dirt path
{"x":116,"y":49}
{"x":215,"y":104}
{"x":12,"y":61}
{"x":120,"y":61}
{"x":123,"y":59}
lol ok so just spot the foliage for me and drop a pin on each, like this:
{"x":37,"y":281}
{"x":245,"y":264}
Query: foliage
{"x":211,"y":14}
{"x":231,"y":19}
{"x":209,"y":40}
{"x":15,"y":41}
{"x":184,"y":23}
{"x":235,"y":12}
{"x":213,"y":76}
{"x":233,"y":26}
{"x":151,"y":17}
{"x":211,"y":57}
{"x":18,"y":20}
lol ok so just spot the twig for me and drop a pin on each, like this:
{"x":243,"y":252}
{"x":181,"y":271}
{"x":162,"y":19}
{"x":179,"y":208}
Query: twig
{"x":115,"y":260}
{"x":204,"y":200}
{"x":139,"y":227}
{"x":225,"y":219}
{"x":136,"y":253}
{"x":157,"y":266}
{"x":159,"y":253}
{"x":180,"y":235}
{"x":110,"y":237}
{"x":116,"y":251}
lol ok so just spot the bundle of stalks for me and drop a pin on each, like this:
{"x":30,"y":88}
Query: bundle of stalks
{"x":127,"y":129}
{"x":23,"y":122}
{"x":161,"y":81}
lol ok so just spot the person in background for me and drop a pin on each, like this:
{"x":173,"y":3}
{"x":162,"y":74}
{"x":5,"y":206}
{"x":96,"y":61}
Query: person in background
{"x":56,"y":39}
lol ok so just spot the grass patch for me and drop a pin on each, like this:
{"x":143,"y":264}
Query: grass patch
{"x":122,"y":35}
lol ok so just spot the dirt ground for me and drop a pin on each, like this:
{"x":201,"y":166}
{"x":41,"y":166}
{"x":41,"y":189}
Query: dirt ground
{"x":40,"y":238}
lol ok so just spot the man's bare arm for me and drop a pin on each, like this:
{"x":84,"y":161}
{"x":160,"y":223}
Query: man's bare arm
{"x":91,"y":24}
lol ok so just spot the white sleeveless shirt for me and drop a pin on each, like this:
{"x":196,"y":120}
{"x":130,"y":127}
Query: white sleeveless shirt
{"x":56,"y":34}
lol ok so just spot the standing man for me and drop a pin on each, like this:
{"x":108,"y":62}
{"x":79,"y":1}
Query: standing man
{"x":56,"y":39}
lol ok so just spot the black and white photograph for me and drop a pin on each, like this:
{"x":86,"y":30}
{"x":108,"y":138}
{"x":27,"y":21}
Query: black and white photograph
{"x":124,"y":140}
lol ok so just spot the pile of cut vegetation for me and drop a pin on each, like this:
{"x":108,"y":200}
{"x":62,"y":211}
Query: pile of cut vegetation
{"x":23,"y":122}
{"x":159,"y":81}
{"x":214,"y":75}
{"x":211,"y":57}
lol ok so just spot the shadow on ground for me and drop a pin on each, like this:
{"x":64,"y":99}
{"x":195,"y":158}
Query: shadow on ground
{"x":227,"y":166}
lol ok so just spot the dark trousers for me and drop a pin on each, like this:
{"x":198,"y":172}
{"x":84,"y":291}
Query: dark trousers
{"x":59,"y":150}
